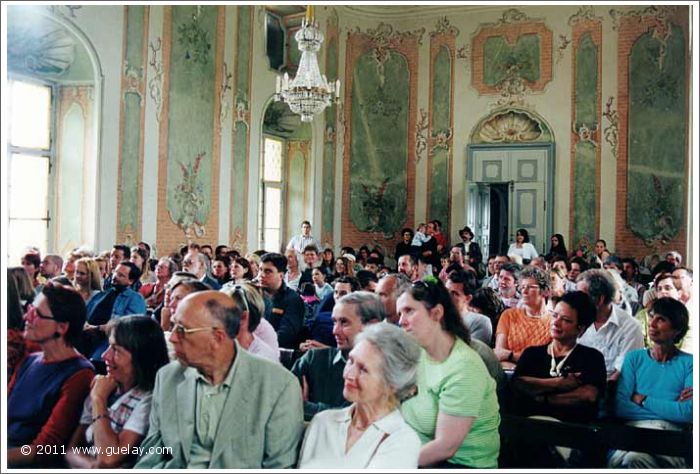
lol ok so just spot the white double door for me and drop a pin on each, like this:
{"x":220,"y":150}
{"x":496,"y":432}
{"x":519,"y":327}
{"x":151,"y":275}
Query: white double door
{"x":525,"y":173}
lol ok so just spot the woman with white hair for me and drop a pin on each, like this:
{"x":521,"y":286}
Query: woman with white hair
{"x":371,"y":433}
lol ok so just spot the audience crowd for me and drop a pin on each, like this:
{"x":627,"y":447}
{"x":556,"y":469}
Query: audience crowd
{"x":208,"y":358}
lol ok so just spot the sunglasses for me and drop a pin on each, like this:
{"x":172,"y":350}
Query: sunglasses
{"x":32,"y":308}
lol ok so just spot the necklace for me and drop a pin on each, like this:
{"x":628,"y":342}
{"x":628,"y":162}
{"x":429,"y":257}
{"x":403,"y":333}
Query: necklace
{"x":555,"y":369}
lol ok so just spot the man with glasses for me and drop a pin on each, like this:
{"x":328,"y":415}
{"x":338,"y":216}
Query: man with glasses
{"x":219,"y":407}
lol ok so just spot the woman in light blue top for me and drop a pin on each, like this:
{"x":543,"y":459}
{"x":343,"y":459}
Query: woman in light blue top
{"x":655,"y":389}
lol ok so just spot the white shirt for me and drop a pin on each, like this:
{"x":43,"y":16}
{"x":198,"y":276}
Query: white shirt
{"x":267,"y":334}
{"x":526,"y":252}
{"x":260,"y":349}
{"x":388,"y":443}
{"x":299,"y":243}
{"x":620,"y":334}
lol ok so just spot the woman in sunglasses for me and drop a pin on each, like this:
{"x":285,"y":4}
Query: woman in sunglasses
{"x":46,"y":392}
{"x":455,"y":411}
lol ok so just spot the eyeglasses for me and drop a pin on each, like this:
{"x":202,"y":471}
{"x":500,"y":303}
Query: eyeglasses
{"x":182,"y":331}
{"x":528,"y":287}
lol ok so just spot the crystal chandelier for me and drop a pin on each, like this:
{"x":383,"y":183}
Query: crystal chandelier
{"x":309,"y":92}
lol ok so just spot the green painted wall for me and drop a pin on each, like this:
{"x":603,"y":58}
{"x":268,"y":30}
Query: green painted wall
{"x":130,"y":149}
{"x":441,"y":106}
{"x":191,"y":114}
{"x":584,"y":192}
{"x":585,"y":108}
{"x":379,"y":144}
{"x":330,"y":114}
{"x":499,"y":56}
{"x":241,"y":131}
{"x":657,"y":135}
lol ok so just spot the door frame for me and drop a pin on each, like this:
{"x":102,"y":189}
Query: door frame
{"x":548,"y":147}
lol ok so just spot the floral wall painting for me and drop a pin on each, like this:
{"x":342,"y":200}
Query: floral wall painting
{"x":379,"y":144}
{"x":656,"y":157}
{"x":191,"y":118}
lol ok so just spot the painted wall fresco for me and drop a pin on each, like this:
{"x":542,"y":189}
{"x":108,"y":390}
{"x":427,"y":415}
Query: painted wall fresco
{"x":656,"y":158}
{"x":241,"y":128}
{"x":585,"y":164}
{"x":379,"y":147}
{"x":131,"y":153}
{"x":441,"y":126}
{"x":329,"y":141}
{"x":514,"y":53}
{"x":191,"y":117}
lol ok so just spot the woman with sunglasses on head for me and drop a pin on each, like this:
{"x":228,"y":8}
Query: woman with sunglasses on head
{"x":46,"y":392}
{"x":455,"y":411}
{"x":115,"y":414}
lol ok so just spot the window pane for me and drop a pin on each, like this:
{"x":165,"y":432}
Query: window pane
{"x":272,"y":207}
{"x":272,"y":240}
{"x":30,"y":113}
{"x":28,"y":186}
{"x":22,"y":234}
{"x":273,"y":160}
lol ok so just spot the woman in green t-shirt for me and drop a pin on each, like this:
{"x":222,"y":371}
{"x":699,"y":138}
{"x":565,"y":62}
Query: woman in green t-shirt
{"x":455,"y":411}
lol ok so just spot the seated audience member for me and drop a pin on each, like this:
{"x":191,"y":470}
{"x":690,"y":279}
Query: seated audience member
{"x":455,"y":411}
{"x":557,"y":248}
{"x":663,"y":288}
{"x":674,"y":258}
{"x":522,"y":247}
{"x":321,"y":288}
{"x":119,"y":300}
{"x":683,"y":279}
{"x":31,"y":263}
{"x":470,"y":248}
{"x":371,"y":433}
{"x":373,"y":264}
{"x":404,"y":246}
{"x":50,"y":267}
{"x":508,"y":277}
{"x":162,"y":313}
{"x":614,"y":333}
{"x":327,"y":264}
{"x":118,"y":254}
{"x":485,"y":301}
{"x":88,"y":281}
{"x":255,"y":335}
{"x":284,"y":309}
{"x":619,"y":298}
{"x":320,"y":370}
{"x":180,"y":287}
{"x":139,"y":257}
{"x":368,"y":280}
{"x":655,"y":389}
{"x":630,"y":272}
{"x":219,"y":407}
{"x":527,"y":325}
{"x":154,"y":292}
{"x":562,"y":379}
{"x":292,"y":277}
{"x":115,"y":414}
{"x":17,"y":346}
{"x":407,"y":264}
{"x":221,"y":269}
{"x":577,"y":265}
{"x":241,"y":271}
{"x":462,"y":285}
{"x":24,"y":286}
{"x":254,"y":260}
{"x":557,"y":286}
{"x":310,"y":256}
{"x":600,"y":253}
{"x":389,"y":288}
{"x":46,"y":392}
{"x":494,"y":267}
{"x":196,"y":263}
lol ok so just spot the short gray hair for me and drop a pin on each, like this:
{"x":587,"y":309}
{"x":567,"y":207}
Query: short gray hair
{"x":367,"y":305}
{"x":600,"y":283}
{"x":539,"y":275}
{"x":400,"y":354}
{"x":401,"y":283}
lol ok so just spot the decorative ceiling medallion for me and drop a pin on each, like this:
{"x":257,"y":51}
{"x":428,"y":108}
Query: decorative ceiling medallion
{"x":585,"y":13}
{"x":510,"y":127}
{"x":443,"y":27}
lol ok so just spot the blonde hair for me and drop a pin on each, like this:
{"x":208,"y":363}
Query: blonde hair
{"x":93,"y":269}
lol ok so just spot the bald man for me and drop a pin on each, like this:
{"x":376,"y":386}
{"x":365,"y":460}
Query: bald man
{"x":218,"y":407}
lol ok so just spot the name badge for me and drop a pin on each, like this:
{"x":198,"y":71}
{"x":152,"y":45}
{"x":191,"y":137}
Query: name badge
{"x":278,"y":310}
